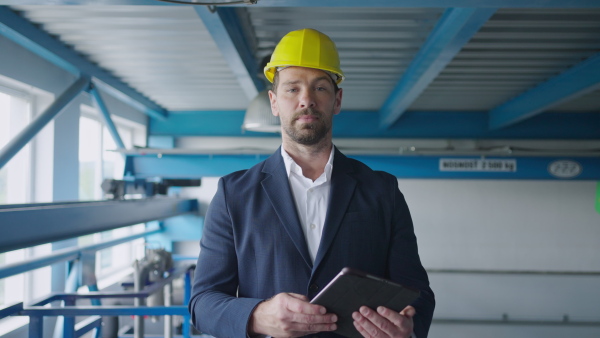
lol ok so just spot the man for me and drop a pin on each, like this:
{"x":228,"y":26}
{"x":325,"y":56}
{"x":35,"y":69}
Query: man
{"x":276,"y":234}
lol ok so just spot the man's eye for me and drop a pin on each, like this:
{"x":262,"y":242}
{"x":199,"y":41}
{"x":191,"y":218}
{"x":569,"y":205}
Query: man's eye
{"x":321,"y":89}
{"x":292,"y":90}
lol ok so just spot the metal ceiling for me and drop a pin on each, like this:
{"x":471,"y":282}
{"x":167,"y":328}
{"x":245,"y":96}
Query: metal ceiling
{"x":513,"y":52}
{"x":164,"y":52}
{"x":168,"y":54}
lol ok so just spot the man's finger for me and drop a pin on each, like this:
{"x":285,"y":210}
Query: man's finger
{"x":397,"y":319}
{"x":298,"y":296}
{"x":299,"y":305}
{"x":408,"y":311}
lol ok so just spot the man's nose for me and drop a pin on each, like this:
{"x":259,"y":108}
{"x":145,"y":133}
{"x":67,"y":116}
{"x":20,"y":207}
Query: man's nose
{"x":307,"y":99}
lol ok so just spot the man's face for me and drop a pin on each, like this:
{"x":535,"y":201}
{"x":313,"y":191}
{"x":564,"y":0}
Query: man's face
{"x":305,"y":102}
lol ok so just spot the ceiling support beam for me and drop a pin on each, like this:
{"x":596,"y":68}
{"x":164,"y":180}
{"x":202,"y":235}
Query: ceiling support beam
{"x":225,"y":29}
{"x":19,"y":141}
{"x":110,"y":125}
{"x":454,"y":29}
{"x":576,"y":81}
{"x":401,"y":166}
{"x":415,"y":124}
{"x":24,"y":33}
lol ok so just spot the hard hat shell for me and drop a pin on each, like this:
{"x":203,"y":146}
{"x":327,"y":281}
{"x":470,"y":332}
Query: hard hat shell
{"x":305,"y":48}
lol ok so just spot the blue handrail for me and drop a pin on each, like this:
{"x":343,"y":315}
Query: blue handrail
{"x":67,"y":254}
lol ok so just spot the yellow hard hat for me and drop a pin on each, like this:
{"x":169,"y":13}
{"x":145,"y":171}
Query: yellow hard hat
{"x":305,"y":48}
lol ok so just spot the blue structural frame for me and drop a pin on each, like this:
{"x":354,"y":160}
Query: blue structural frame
{"x":19,"y":141}
{"x":110,"y":125}
{"x":407,"y":166}
{"x":576,"y":81}
{"x":224,"y":27}
{"x":454,"y":29}
{"x":49,"y":216}
{"x":415,"y":124}
{"x":24,"y":33}
{"x":67,"y":220}
{"x":37,"y":311}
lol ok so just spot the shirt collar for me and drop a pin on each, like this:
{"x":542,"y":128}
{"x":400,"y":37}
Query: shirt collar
{"x":290,"y":164}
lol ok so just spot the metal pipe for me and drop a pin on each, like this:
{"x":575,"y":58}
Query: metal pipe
{"x":106,"y":116}
{"x":19,"y":141}
{"x":66,"y":255}
{"x":187,"y":295}
{"x":168,"y":330}
{"x":87,"y":310}
{"x":138,"y":321}
{"x":36,"y":327}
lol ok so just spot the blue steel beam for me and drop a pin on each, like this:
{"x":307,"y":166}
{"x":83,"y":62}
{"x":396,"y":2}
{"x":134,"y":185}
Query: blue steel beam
{"x":19,"y":141}
{"x":24,"y":226}
{"x":345,"y":3}
{"x":423,"y":167}
{"x":23,"y":32}
{"x":226,"y":31}
{"x":112,"y":129}
{"x":576,"y":81}
{"x":444,"y":124}
{"x":454,"y":29}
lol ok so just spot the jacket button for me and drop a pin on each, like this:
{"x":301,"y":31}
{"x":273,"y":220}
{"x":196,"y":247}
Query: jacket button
{"x":313,"y":287}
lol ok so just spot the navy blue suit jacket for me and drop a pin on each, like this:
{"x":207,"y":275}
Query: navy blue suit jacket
{"x":253,"y":247}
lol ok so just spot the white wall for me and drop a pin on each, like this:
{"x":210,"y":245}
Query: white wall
{"x":509,"y":225}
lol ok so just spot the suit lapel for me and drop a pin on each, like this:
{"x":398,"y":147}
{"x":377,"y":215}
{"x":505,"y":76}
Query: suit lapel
{"x":342,"y":189}
{"x":277,"y":187}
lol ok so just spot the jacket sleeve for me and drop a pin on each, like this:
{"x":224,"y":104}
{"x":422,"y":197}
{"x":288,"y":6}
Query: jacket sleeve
{"x":404,"y":264}
{"x":213,"y":306}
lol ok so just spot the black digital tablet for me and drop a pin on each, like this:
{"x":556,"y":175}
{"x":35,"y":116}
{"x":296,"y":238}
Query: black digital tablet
{"x":351,"y":289}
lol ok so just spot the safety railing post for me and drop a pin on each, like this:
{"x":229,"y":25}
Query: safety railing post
{"x":187,"y":294}
{"x":36,"y":326}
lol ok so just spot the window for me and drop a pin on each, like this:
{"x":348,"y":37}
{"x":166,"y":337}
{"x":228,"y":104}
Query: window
{"x":99,"y":161}
{"x":15,"y":175}
{"x":97,"y":158}
{"x":15,"y":188}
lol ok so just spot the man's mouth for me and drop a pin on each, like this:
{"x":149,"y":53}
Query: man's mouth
{"x":307,"y":118}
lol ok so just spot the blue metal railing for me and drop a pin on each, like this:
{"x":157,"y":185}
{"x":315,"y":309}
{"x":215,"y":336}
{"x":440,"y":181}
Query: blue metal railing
{"x":37,"y":309}
{"x":67,"y":254}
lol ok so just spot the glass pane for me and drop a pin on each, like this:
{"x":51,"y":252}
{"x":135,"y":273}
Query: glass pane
{"x":90,"y":159}
{"x":15,"y":175}
{"x":112,"y":161}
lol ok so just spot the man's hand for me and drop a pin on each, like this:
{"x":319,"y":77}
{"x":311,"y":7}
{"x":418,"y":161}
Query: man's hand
{"x":384,"y":322}
{"x":290,"y":315}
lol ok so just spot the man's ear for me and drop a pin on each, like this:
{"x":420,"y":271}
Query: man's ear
{"x":337,"y":107}
{"x":273,"y":99}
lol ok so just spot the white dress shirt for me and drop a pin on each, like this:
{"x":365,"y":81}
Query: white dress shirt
{"x":311,"y":199}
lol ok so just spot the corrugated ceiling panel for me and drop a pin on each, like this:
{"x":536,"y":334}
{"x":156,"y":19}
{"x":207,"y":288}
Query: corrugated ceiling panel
{"x":164,"y":52}
{"x":513,"y":52}
{"x":375,"y":45}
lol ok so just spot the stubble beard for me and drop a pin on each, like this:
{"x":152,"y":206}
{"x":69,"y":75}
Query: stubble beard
{"x":308,"y":134}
